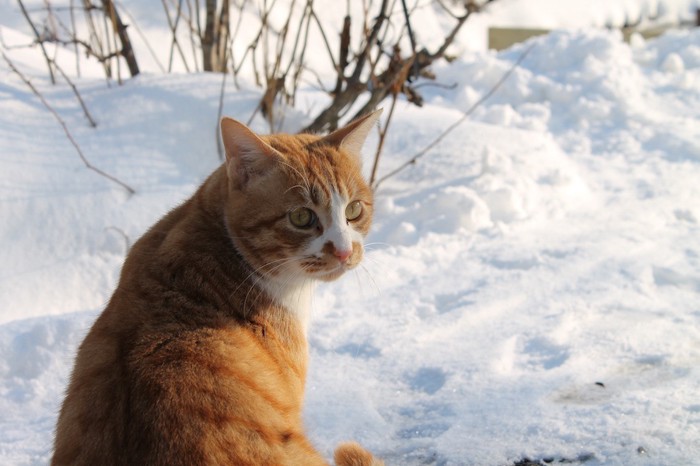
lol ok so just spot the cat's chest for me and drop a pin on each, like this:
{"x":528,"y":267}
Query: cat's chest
{"x":294,"y":298}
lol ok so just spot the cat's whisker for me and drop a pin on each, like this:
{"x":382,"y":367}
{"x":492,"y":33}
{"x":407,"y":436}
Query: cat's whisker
{"x":259,"y":273}
{"x":278,"y":264}
{"x":303,"y":176}
{"x":256,"y":271}
{"x":376,"y":263}
{"x":371,"y":278}
{"x":376,"y":243}
{"x":296,"y":186}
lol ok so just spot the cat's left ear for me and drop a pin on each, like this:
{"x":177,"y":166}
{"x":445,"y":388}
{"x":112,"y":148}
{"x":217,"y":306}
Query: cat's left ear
{"x":350,"y":138}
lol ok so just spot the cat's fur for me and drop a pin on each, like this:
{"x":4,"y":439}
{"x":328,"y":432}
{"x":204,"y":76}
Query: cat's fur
{"x":200,"y":356}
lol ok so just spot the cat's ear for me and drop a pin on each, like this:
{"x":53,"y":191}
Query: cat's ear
{"x":351,"y":137}
{"x":246,"y":154}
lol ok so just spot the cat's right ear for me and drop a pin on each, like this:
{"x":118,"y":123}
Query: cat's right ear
{"x":246,"y":154}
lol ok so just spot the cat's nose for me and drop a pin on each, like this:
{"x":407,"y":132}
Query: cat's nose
{"x":342,"y":254}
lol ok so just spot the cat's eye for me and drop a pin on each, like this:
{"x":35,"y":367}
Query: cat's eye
{"x":302,"y":217}
{"x":353,"y":210}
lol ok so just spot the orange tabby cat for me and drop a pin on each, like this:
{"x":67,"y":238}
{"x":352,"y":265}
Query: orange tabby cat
{"x":200,"y":356}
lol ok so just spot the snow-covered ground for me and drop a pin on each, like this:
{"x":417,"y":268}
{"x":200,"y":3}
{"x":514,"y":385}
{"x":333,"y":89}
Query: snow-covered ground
{"x":532,"y":287}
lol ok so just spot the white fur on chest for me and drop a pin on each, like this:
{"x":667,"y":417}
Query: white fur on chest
{"x":294,"y":295}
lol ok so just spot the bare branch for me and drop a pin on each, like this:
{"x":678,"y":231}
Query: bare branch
{"x":119,"y":30}
{"x":464,"y":117}
{"x":343,"y":57}
{"x":58,"y":118}
{"x":77,"y":94}
{"x":133,"y":22}
{"x":127,"y":242}
{"x":173,"y":28}
{"x":364,"y":54}
{"x":97,"y":49}
{"x":382,"y":138}
{"x":323,"y":36}
{"x":72,"y":24}
{"x":38,"y":39}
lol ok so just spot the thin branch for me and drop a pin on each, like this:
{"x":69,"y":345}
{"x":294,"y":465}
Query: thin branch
{"x":58,"y":118}
{"x":343,"y":55}
{"x":173,"y":28}
{"x":105,"y":28}
{"x":193,"y":32}
{"x":94,"y":37}
{"x":323,"y":36}
{"x":362,"y":58}
{"x":222,"y":34}
{"x":219,"y":149}
{"x":77,"y":94}
{"x":382,"y":138}
{"x":466,"y":115}
{"x":74,"y":33}
{"x":38,"y":39}
{"x":407,"y":17}
{"x":233,"y":39}
{"x":220,"y":112}
{"x":127,"y":242}
{"x":132,"y":22}
{"x":300,"y":62}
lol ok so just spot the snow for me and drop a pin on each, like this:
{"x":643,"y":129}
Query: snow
{"x":531,"y":287}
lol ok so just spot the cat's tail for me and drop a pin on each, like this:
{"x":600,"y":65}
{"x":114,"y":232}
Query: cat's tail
{"x":352,"y":454}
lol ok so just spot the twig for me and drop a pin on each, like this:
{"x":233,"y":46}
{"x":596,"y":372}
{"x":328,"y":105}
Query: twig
{"x":132,"y":22}
{"x":233,"y":39}
{"x":382,"y":138}
{"x":343,"y":57}
{"x":224,"y":75}
{"x":302,"y":54}
{"x":407,"y":17}
{"x":75,"y":46}
{"x":219,"y":114}
{"x":466,"y":115}
{"x":119,"y":31}
{"x":108,"y":44}
{"x":323,"y":36}
{"x":127,"y":242}
{"x":192,"y":35}
{"x":94,"y":38}
{"x":58,"y":118}
{"x":38,"y":39}
{"x":77,"y":95}
{"x":222,"y":35}
{"x":173,"y":28}
{"x":364,"y":54}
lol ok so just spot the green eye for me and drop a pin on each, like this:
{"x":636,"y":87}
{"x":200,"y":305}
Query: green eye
{"x":302,"y":217}
{"x":353,"y":210}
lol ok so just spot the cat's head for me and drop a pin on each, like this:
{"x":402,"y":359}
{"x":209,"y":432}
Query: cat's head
{"x":298,"y":207}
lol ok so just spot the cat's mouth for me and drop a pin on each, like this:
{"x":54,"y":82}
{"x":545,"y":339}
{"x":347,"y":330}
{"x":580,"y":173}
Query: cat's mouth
{"x":335,"y":272}
{"x":330,"y":272}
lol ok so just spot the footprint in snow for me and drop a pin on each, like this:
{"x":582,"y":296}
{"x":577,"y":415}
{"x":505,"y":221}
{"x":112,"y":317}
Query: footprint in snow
{"x":542,"y":353}
{"x":427,"y":380}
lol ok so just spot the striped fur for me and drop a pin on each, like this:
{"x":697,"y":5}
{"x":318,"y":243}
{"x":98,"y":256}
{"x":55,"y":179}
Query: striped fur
{"x":200,"y":356}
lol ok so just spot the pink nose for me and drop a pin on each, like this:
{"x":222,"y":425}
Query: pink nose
{"x":342,"y":255}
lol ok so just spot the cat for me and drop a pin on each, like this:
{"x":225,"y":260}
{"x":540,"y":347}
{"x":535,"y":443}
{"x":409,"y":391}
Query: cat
{"x":200,"y":356}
